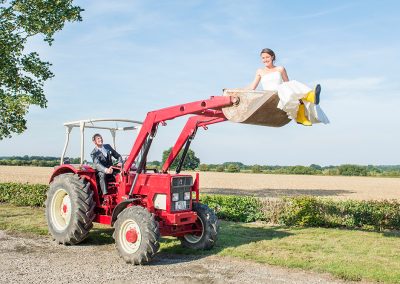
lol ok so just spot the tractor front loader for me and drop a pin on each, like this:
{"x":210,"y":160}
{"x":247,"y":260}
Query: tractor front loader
{"x":143,"y":205}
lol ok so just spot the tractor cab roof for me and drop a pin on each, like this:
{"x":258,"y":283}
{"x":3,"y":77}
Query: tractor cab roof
{"x":112,"y":124}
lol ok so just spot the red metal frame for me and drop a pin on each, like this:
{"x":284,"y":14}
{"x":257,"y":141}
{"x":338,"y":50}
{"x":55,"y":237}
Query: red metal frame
{"x":171,"y":223}
{"x":153,"y":118}
{"x":190,"y":129}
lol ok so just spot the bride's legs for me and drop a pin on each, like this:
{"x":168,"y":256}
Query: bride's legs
{"x":313,"y":96}
{"x":301,"y":115}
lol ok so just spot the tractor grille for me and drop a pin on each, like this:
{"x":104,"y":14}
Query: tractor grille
{"x":180,"y":185}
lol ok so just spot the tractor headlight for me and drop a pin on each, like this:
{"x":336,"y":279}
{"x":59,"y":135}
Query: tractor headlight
{"x":175,"y":196}
{"x":160,"y":201}
{"x":186,"y":195}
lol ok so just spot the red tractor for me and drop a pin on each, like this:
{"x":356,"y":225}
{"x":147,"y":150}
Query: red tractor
{"x":140,"y":205}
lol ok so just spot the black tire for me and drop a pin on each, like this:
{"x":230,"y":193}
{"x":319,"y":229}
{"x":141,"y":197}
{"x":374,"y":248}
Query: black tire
{"x":140,"y":246}
{"x":208,"y":224}
{"x":69,"y":209}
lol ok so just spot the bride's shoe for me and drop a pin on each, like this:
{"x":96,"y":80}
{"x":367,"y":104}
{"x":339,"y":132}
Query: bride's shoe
{"x":313,"y":96}
{"x":301,"y":116}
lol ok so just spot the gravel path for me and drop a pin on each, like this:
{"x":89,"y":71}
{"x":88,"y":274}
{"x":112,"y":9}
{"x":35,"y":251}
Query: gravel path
{"x":39,"y":260}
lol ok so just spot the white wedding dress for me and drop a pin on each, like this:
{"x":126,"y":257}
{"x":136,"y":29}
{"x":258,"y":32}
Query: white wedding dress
{"x":289,"y":95}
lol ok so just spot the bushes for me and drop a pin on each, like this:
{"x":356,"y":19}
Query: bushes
{"x":220,"y":169}
{"x":303,"y":211}
{"x":233,"y":168}
{"x":203,"y":168}
{"x":23,"y":194}
{"x":313,"y":211}
{"x":256,"y":169}
{"x":235,"y":208}
{"x":291,"y":211}
{"x":352,"y":170}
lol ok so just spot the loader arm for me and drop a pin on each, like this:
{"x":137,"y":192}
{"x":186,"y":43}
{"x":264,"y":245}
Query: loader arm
{"x":188,"y":133}
{"x":153,"y":118}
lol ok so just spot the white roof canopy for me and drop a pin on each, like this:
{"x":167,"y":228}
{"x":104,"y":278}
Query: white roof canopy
{"x":111,"y":124}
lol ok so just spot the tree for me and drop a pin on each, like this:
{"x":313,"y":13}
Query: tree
{"x":233,"y":168}
{"x":316,"y":167}
{"x":155,"y":163}
{"x":352,"y":170}
{"x":203,"y":167}
{"x":256,"y":169}
{"x":22,"y":75}
{"x":239,"y":164}
{"x":220,"y":168}
{"x":191,"y":161}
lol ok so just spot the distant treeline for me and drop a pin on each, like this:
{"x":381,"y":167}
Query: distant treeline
{"x":234,"y":167}
{"x":343,"y":170}
{"x":37,"y":161}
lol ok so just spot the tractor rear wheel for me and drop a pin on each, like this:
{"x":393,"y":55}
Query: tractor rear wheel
{"x":205,"y":229}
{"x":136,"y":235}
{"x":69,"y":209}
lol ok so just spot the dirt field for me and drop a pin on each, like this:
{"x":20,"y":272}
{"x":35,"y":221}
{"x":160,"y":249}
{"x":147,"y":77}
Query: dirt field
{"x":261,"y":185}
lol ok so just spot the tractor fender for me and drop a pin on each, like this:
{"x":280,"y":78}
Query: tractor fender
{"x":83,"y":171}
{"x":119,"y":208}
{"x":62,"y":170}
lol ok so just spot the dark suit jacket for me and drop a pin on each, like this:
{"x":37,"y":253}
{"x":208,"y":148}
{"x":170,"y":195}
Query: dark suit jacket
{"x":102,"y":162}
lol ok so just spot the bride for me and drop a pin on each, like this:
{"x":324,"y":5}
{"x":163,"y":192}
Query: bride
{"x":298,"y":100}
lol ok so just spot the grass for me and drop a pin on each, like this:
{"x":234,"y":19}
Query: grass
{"x":347,"y":254}
{"x":30,"y":220}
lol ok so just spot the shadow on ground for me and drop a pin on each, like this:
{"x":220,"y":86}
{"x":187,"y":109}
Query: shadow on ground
{"x":99,"y":235}
{"x":231,"y":235}
{"x":270,"y":192}
{"x":234,"y":234}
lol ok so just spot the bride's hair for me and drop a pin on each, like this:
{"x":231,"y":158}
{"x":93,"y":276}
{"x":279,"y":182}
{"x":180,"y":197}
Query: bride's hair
{"x":270,"y":52}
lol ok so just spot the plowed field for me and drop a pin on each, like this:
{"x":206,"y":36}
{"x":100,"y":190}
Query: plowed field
{"x":261,"y":185}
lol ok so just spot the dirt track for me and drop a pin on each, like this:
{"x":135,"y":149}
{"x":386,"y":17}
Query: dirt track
{"x":257,"y":184}
{"x":39,"y":260}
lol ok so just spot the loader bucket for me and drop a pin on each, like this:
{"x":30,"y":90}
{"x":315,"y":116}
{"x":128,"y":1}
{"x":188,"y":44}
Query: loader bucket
{"x":255,"y":107}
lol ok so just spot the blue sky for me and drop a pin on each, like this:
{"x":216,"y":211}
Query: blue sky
{"x":130,"y":57}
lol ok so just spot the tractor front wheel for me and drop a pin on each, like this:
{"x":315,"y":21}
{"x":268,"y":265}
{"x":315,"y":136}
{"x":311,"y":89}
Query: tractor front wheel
{"x":136,"y":235}
{"x":69,"y":209}
{"x":205,"y":230}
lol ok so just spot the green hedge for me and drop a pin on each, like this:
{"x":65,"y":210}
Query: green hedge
{"x":320,"y":212}
{"x":235,"y":208}
{"x":23,"y":194}
{"x":291,"y":211}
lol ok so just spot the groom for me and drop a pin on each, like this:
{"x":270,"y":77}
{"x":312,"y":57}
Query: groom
{"x":102,"y":160}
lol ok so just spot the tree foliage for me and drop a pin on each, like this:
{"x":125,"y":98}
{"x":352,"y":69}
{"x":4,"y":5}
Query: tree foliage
{"x":352,"y":170}
{"x":191,"y":161}
{"x":256,"y":169}
{"x":203,"y":168}
{"x":39,"y":161}
{"x":22,"y":74}
{"x":233,"y":168}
